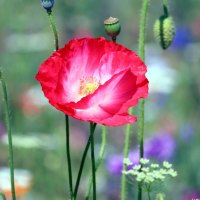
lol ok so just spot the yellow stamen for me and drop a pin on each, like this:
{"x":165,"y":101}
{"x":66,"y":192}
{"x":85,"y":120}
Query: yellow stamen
{"x":88,"y":85}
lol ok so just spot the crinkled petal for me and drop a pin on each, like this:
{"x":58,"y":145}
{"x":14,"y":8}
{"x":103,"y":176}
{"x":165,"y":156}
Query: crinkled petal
{"x":107,"y":105}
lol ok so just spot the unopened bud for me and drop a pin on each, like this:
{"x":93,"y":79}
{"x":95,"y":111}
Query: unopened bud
{"x":47,"y":4}
{"x":112,"y":26}
{"x":164,"y":30}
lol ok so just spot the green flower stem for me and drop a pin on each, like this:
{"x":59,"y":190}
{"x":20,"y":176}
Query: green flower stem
{"x":82,"y":163}
{"x":149,"y":197}
{"x":165,"y":7}
{"x":98,"y":163}
{"x":114,"y":39}
{"x":53,"y":26}
{"x":148,"y":188}
{"x":92,"y":128}
{"x":8,"y":126}
{"x":141,"y":52}
{"x":3,"y":196}
{"x":165,"y":3}
{"x":69,"y":156}
{"x":126,"y":150}
{"x":142,"y":33}
{"x":141,"y":128}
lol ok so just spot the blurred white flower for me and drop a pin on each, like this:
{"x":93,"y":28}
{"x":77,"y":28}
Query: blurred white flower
{"x":32,"y":100}
{"x":162,"y":78}
{"x":23,"y":181}
{"x":35,"y":140}
{"x":28,"y":42}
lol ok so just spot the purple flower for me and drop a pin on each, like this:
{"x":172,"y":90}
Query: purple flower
{"x":183,"y":37}
{"x":187,"y":132}
{"x":115,"y":164}
{"x":158,"y":147}
{"x":189,"y":195}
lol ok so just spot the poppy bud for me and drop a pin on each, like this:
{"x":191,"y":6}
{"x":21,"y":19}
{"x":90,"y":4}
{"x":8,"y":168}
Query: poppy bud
{"x":164,"y":30}
{"x":112,"y":27}
{"x":47,"y":4}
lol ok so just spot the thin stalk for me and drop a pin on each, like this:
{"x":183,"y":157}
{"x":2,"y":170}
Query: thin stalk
{"x":165,"y":7}
{"x":54,"y":29}
{"x":126,"y":150}
{"x":141,"y":52}
{"x":141,"y":128}
{"x":82,"y":164}
{"x":165,"y":3}
{"x":8,"y":126}
{"x":3,"y":196}
{"x":98,"y":163}
{"x":149,"y":197}
{"x":114,"y":39}
{"x":92,"y":128}
{"x":69,"y":156}
{"x":148,"y":188}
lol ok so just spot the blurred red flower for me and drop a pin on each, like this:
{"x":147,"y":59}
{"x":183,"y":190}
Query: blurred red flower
{"x":95,"y":80}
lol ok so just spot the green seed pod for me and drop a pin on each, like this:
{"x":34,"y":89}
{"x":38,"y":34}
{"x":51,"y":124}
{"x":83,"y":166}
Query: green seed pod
{"x":160,"y":196}
{"x":112,"y":27}
{"x":164,"y":30}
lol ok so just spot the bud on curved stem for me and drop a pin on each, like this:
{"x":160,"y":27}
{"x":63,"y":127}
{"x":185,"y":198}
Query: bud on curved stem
{"x":164,"y":28}
{"x":164,"y":31}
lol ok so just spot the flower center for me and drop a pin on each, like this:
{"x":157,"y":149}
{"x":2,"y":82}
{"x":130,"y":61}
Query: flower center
{"x":88,"y":85}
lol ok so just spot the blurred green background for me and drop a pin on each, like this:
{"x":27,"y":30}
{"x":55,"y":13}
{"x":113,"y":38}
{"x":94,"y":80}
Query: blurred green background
{"x":173,"y":105}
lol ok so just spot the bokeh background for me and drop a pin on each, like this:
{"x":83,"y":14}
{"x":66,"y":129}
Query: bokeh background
{"x":172,"y":128}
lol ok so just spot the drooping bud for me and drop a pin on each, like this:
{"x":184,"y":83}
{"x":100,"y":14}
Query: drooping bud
{"x":112,"y":27}
{"x":160,"y":196}
{"x":47,"y":4}
{"x":164,"y":30}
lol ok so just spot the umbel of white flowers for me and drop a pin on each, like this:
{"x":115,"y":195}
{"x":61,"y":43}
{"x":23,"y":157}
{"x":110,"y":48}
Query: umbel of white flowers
{"x":148,"y":173}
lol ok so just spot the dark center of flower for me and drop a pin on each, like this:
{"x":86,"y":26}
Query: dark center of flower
{"x":88,"y":85}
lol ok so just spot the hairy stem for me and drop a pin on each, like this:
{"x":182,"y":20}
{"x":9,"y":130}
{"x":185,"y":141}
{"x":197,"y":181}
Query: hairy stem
{"x":126,"y":150}
{"x":165,"y":7}
{"x":53,"y":27}
{"x":141,"y":52}
{"x":55,"y":33}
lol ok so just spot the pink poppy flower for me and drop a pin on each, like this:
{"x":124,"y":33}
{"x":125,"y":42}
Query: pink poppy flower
{"x":95,"y":80}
